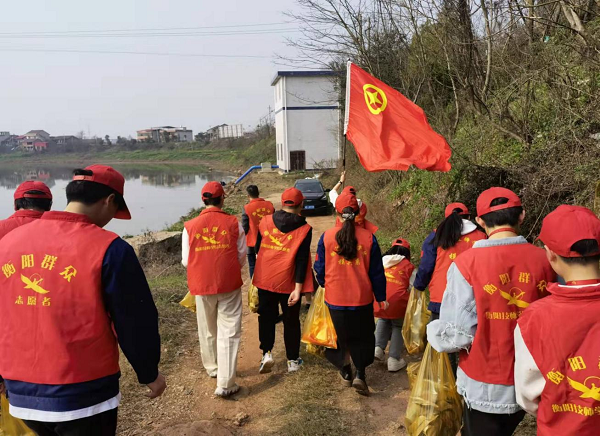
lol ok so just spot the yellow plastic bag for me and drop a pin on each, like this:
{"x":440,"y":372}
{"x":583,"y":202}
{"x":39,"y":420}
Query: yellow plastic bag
{"x":318,"y":327}
{"x":253,"y":298}
{"x":317,"y":350}
{"x":434,"y":406}
{"x":189,"y":302}
{"x":10,"y":426}
{"x":415,"y":322}
{"x":412,"y":370}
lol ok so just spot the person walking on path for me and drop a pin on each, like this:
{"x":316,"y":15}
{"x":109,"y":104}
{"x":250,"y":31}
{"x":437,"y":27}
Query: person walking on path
{"x":350,"y":268}
{"x":214,"y":252}
{"x":283,"y":272}
{"x":489,"y":287}
{"x":557,"y":369}
{"x":398,"y":273}
{"x":71,"y":294}
{"x":254,"y":211}
{"x":31,"y":200}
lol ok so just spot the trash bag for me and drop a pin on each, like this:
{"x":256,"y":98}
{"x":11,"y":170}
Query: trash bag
{"x":10,"y":426}
{"x":189,"y":302}
{"x":318,"y":327}
{"x":253,"y":298}
{"x":434,"y":406}
{"x":412,"y":370}
{"x":414,"y":328}
{"x":317,"y":350}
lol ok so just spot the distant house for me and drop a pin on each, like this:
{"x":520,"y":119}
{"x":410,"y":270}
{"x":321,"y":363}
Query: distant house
{"x":34,"y":140}
{"x":226,"y":131}
{"x":65,"y":140}
{"x":165,"y":134}
{"x":7,"y":140}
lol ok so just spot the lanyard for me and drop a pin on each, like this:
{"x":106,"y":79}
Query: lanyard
{"x":502,"y":229}
{"x":583,"y":282}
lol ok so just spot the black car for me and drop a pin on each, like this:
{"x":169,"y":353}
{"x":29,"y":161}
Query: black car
{"x":316,"y":199}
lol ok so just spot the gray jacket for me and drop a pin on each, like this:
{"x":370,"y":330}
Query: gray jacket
{"x":455,"y":330}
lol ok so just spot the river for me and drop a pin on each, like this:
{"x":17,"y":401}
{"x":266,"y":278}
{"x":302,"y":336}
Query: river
{"x":157,"y":194}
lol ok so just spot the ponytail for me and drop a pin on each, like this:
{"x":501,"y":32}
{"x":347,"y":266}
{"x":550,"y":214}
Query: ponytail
{"x":449,"y":231}
{"x":346,"y":236}
{"x":398,"y":250}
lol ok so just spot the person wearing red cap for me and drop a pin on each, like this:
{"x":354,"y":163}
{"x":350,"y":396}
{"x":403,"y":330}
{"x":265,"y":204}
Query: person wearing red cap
{"x":488,"y":288}
{"x":283,"y":272}
{"x":398,"y":272}
{"x":557,"y":369}
{"x":350,"y":268}
{"x":214,"y":252}
{"x":254,"y":211}
{"x":32,"y":199}
{"x":73,"y":292}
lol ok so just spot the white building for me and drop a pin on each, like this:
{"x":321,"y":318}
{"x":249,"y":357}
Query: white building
{"x":307,"y":124}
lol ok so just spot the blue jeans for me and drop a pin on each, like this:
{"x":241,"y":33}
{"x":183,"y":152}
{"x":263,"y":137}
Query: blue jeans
{"x":390,"y":330}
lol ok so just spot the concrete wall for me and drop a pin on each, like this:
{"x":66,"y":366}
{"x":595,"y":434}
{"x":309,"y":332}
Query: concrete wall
{"x":316,"y":132}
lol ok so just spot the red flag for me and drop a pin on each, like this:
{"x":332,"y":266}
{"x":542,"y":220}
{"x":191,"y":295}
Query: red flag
{"x":390,"y":132}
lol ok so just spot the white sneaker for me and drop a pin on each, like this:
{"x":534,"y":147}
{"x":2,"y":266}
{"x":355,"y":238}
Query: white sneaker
{"x":212,"y":374}
{"x":295,"y":365}
{"x":266,"y":364}
{"x":379,"y":353}
{"x":226,"y":392}
{"x":395,"y":364}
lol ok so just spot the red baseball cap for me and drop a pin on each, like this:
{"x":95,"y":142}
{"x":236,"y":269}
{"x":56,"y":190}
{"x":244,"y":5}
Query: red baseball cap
{"x":401,"y":243}
{"x":486,"y":197}
{"x":108,"y":176}
{"x":212,"y":190}
{"x":33,"y":185}
{"x":450,"y":209}
{"x":346,"y":200}
{"x":292,"y":197}
{"x":567,"y":225}
{"x":349,"y":190}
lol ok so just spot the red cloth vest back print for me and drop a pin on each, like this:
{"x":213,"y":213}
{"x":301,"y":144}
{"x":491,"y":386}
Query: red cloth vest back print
{"x":17,"y":219}
{"x":506,"y":279}
{"x":445,"y":258}
{"x":347,"y":282}
{"x":275,"y":262}
{"x":562,"y":333}
{"x":54,"y":321}
{"x":213,"y":264}
{"x":256,"y":210}
{"x":397,"y":283}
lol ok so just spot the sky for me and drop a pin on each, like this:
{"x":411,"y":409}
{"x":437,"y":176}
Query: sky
{"x":44,"y":87}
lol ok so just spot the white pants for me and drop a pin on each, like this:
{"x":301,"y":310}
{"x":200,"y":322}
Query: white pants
{"x":219,"y":330}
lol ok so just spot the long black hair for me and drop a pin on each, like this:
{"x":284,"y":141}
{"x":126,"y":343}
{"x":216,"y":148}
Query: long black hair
{"x":450,"y":230}
{"x":398,"y":250}
{"x":346,"y":236}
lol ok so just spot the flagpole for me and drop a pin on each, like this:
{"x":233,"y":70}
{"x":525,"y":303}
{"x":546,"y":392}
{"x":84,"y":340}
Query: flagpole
{"x":346,"y":114}
{"x":344,"y":158}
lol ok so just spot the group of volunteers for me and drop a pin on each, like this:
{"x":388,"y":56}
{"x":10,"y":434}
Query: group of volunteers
{"x":520,"y":323}
{"x":71,"y":294}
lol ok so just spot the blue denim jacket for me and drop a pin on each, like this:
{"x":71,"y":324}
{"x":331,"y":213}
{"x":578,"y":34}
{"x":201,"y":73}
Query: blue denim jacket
{"x":455,"y":330}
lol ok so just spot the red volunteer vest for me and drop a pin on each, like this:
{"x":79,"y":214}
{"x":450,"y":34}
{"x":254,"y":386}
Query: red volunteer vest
{"x":444,"y":259}
{"x":213,"y":264}
{"x":17,"y":219}
{"x":55,"y":328}
{"x":347,"y":282}
{"x":275,"y":262}
{"x":360,"y":222}
{"x":562,"y":333}
{"x":397,"y":283}
{"x":256,"y":210}
{"x":505,"y":280}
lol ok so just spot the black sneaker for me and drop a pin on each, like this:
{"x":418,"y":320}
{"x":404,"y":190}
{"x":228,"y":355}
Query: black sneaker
{"x":360,"y":384}
{"x":346,"y":375}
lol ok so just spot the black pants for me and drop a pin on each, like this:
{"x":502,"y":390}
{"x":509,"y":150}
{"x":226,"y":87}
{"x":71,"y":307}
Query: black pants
{"x":355,"y":331}
{"x":103,"y":424}
{"x":268,"y":313}
{"x":251,"y":260}
{"x":476,"y":423}
{"x":452,"y":356}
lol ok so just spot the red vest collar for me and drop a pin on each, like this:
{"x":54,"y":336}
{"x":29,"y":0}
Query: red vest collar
{"x":503,"y":229}
{"x":256,"y":199}
{"x":213,"y":210}
{"x":67,"y":216}
{"x":578,"y":291}
{"x":27,"y":213}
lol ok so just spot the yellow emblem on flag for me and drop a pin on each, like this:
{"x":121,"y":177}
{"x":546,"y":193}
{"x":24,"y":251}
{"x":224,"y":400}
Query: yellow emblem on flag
{"x":375,"y":99}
